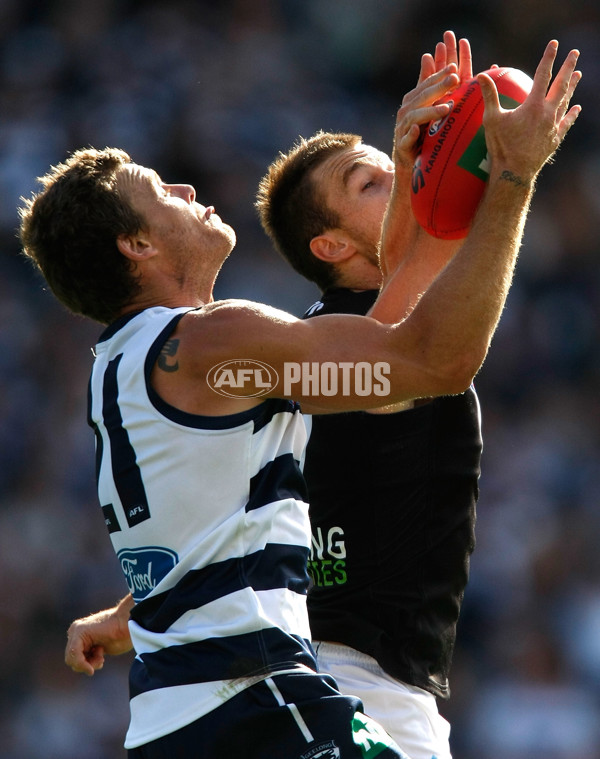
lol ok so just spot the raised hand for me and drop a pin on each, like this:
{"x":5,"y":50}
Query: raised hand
{"x":522,"y":140}
{"x":419,"y":107}
{"x":439,"y":75}
{"x":446,"y":52}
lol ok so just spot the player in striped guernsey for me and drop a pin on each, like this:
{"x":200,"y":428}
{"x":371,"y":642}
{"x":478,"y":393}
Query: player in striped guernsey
{"x":207,"y":516}
{"x":201,"y":490}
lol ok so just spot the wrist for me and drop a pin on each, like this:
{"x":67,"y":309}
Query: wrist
{"x":122,"y":609}
{"x":504,"y":206}
{"x":512,"y":178}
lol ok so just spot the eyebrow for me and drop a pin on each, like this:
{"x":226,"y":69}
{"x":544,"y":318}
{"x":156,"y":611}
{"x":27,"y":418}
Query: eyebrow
{"x":348,"y":171}
{"x":151,"y":176}
{"x":153,"y":179}
{"x":142,"y":173}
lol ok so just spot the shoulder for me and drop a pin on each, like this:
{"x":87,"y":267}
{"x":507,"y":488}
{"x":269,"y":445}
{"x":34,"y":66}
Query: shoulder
{"x":234,"y":312}
{"x":228,"y":332}
{"x":230,"y":329}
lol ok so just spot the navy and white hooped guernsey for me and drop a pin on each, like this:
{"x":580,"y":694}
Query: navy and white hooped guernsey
{"x":209,"y":520}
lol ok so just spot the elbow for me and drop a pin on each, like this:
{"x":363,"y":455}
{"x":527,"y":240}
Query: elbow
{"x":453,"y":384}
{"x":456,"y":375}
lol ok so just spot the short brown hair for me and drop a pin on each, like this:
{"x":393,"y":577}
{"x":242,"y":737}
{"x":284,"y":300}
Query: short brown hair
{"x":70,"y":229}
{"x":293,"y":210}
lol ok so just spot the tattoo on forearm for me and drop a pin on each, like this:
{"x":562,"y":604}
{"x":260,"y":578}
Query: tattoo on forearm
{"x":168,"y":351}
{"x":510,"y":177}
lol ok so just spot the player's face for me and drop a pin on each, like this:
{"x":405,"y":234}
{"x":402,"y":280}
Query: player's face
{"x":176,"y":222}
{"x":357,"y":183}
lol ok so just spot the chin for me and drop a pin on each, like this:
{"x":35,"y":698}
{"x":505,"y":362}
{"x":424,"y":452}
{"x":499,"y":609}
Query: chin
{"x":231,"y":236}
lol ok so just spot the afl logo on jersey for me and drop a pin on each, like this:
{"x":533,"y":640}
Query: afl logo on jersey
{"x":144,"y":568}
{"x":242,"y":378}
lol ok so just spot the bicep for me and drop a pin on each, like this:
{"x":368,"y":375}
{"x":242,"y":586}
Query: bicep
{"x":335,"y":362}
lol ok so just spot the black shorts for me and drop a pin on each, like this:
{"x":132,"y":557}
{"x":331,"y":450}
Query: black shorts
{"x":293,"y":716}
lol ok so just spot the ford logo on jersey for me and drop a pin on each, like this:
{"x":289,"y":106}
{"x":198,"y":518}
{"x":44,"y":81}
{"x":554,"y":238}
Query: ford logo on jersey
{"x":145,"y":567}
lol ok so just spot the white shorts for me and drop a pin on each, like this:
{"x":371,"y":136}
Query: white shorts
{"x":409,"y":714}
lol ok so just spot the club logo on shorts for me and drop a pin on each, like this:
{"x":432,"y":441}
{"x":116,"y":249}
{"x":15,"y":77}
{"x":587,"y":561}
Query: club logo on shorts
{"x":323,"y":751}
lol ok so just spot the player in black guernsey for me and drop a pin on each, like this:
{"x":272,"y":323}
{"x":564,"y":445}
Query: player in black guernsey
{"x":392,"y":493}
{"x":392,"y":507}
{"x":399,"y":492}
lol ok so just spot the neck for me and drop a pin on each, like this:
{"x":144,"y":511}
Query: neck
{"x":358,"y":273}
{"x":150,"y":299}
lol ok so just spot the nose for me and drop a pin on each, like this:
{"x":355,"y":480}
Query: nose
{"x":184,"y":191}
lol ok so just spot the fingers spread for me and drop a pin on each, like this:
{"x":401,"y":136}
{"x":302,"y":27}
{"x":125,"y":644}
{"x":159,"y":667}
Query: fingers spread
{"x":543,"y":72}
{"x":441,"y":56}
{"x":465,"y":60}
{"x":427,"y":67}
{"x":450,"y":45}
{"x":564,"y":85}
{"x":432,"y":88}
{"x":567,"y":121}
{"x":489,"y":93}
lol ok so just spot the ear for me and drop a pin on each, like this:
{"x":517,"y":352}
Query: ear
{"x":135,"y":247}
{"x":331,"y":248}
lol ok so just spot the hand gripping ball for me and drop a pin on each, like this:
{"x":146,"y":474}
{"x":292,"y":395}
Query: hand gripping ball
{"x":451,"y":169}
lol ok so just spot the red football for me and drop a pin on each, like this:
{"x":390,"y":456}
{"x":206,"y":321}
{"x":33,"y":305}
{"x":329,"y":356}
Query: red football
{"x":450,"y":172}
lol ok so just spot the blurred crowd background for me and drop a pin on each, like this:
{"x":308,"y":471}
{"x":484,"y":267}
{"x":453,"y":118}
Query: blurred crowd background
{"x":208,"y":93}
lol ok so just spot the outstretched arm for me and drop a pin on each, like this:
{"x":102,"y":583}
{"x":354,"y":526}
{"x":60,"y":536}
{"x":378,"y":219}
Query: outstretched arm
{"x":519,"y":143}
{"x":440,"y":346}
{"x":403,"y":240}
{"x":90,"y":638}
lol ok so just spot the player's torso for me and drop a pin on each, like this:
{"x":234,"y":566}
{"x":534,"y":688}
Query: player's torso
{"x":392,"y":505}
{"x":208,"y":518}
